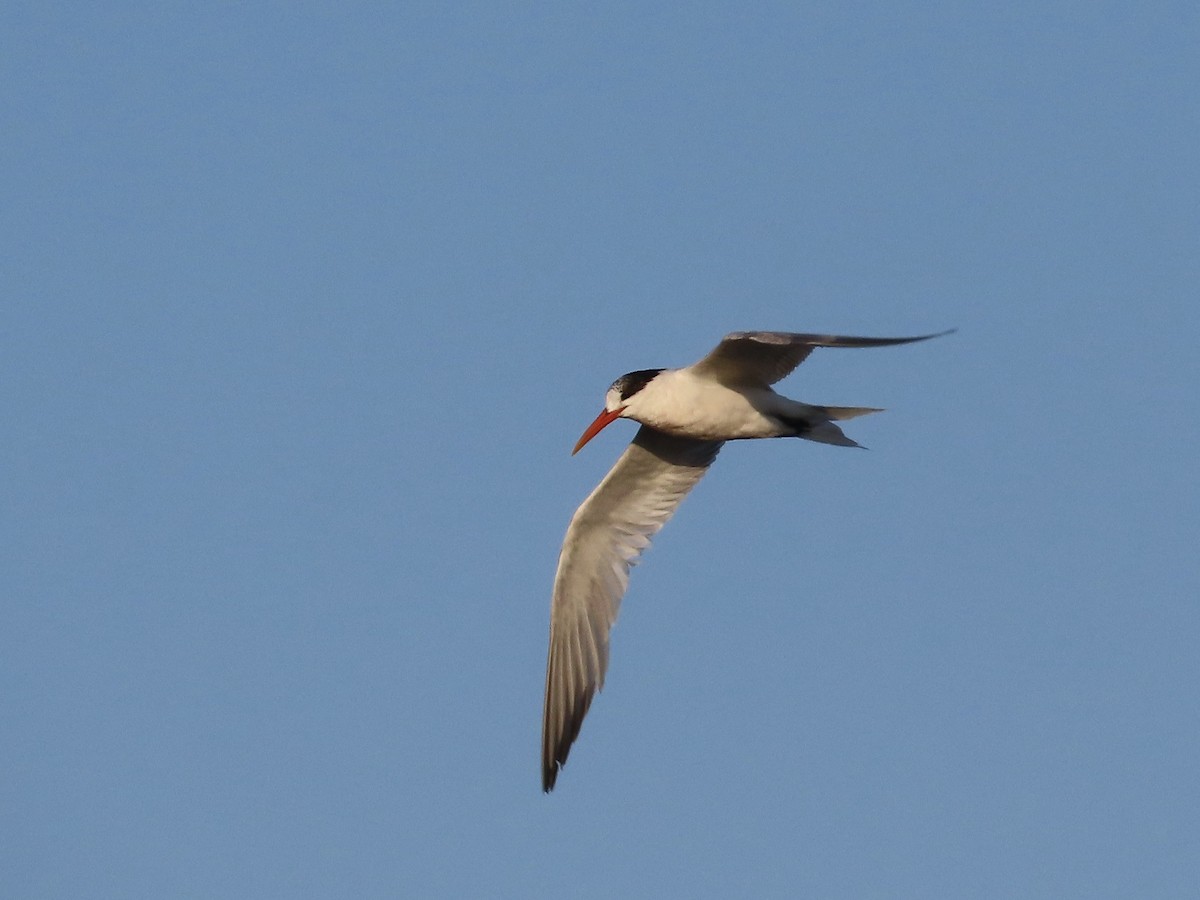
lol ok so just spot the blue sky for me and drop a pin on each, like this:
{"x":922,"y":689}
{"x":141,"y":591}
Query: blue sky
{"x":305,"y":306}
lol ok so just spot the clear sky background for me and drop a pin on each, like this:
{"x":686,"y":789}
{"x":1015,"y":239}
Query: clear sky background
{"x":302,"y":307}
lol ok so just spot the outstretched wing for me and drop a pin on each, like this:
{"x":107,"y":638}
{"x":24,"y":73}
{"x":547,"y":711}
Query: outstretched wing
{"x":756,"y":358}
{"x":606,"y":536}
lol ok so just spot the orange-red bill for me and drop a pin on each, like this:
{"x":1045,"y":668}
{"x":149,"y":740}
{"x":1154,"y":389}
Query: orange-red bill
{"x":594,"y":429}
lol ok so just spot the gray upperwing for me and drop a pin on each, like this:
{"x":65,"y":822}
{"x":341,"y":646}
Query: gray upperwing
{"x":755,"y":358}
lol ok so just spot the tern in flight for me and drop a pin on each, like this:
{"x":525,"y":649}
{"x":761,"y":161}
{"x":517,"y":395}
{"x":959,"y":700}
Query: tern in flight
{"x":686,"y":415}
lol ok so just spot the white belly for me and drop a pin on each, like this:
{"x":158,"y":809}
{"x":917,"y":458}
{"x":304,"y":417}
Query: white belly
{"x":687,"y":406}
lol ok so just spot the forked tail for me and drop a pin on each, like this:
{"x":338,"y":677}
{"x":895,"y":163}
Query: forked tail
{"x":826,"y":432}
{"x":837,"y":413}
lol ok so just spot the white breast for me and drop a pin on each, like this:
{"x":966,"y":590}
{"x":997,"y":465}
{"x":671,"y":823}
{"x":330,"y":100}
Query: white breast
{"x":684,"y":404}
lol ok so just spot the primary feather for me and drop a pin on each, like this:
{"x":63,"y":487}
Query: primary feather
{"x":605,"y":537}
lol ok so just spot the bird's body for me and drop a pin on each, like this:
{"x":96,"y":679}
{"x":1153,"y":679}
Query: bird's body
{"x":686,"y":415}
{"x":682,"y":403}
{"x":685,"y":403}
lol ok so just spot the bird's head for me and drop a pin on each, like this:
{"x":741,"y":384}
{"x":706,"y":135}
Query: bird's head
{"x":617,"y":402}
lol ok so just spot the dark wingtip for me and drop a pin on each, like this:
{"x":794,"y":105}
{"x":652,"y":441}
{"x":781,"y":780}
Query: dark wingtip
{"x":926,"y":337}
{"x":553,"y":761}
{"x":555,"y":750}
{"x":550,"y":767}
